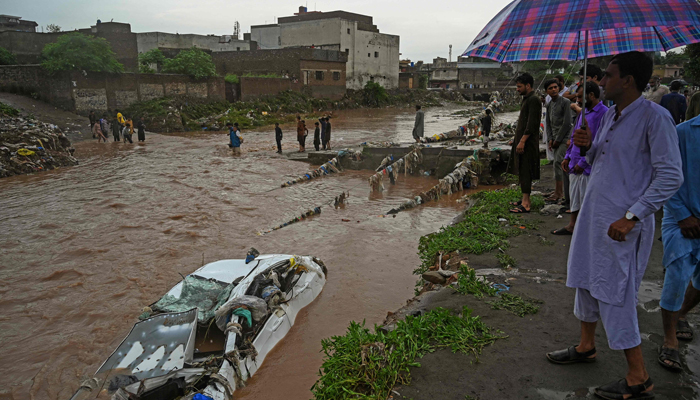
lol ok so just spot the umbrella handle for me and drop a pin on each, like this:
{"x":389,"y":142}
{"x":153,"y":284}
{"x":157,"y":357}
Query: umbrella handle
{"x":585,"y":73}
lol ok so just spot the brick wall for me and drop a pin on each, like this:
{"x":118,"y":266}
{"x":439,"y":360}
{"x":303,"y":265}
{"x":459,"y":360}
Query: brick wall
{"x":101,"y":92}
{"x":252,"y":88}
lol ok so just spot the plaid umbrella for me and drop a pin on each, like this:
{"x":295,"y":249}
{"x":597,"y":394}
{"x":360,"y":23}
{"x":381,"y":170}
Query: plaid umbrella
{"x":559,"y":29}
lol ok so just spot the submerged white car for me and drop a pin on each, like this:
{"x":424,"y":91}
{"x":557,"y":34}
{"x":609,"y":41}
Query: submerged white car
{"x":210,"y":332}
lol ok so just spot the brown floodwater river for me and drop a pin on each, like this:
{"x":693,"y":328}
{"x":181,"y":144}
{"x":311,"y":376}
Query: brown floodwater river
{"x":84,"y":249}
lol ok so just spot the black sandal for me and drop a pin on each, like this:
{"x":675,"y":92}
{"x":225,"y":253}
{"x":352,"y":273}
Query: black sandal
{"x":618,"y":390}
{"x":672,"y":355}
{"x":684,"y":327}
{"x":571,"y":356}
{"x":520,"y":210}
{"x":562,"y":232}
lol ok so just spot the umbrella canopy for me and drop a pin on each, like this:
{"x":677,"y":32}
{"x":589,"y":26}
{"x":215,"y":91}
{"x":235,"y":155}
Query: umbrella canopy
{"x":556,"y":29}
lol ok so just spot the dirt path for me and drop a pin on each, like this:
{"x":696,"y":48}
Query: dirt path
{"x":516,"y":368}
{"x":76,"y":127}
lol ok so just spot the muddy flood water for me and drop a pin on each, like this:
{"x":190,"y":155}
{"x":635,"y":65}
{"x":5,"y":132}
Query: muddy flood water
{"x":84,"y":249}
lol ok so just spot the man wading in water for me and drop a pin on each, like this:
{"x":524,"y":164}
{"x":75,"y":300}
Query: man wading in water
{"x":636,"y":168}
{"x":525,"y":153}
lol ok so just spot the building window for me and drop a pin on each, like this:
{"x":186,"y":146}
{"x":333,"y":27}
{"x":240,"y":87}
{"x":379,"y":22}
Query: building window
{"x":279,"y":40}
{"x":319,"y":75}
{"x":376,"y":54}
{"x":336,"y":75}
{"x":239,"y":49}
{"x":347,"y":51}
{"x":348,"y":31}
{"x":369,"y":55}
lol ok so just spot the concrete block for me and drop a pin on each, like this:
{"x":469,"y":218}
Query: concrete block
{"x":175,"y":89}
{"x":197,"y":90}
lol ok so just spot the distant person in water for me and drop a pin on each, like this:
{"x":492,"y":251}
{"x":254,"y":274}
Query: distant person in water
{"x":418,"y":125}
{"x":141,"y":130}
{"x":327,"y":138}
{"x":97,"y":131}
{"x":116,"y":129}
{"x":278,"y":137}
{"x":236,"y":138}
{"x":128,"y":130}
{"x":317,"y":137}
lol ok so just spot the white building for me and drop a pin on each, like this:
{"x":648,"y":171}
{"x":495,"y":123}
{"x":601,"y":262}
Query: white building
{"x":372,"y":56}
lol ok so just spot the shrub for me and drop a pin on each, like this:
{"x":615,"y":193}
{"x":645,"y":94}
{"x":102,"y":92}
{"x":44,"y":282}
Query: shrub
{"x":193,"y":62}
{"x":76,"y":51}
{"x":7,"y":58}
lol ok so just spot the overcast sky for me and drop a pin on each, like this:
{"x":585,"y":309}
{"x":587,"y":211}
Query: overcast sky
{"x":426,"y":28}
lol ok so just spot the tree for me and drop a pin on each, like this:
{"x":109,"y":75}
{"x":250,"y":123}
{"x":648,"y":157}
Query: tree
{"x":193,"y":62}
{"x":53,"y":28}
{"x":75,"y":51}
{"x":7,"y":58}
{"x":692,"y":66}
{"x":148,"y":59}
{"x":374,"y":94}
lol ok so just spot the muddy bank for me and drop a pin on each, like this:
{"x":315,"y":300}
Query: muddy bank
{"x":516,"y":367}
{"x":28,"y":145}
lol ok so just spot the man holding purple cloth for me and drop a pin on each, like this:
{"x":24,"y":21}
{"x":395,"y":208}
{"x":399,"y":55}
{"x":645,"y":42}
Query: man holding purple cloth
{"x":636,"y":168}
{"x":576,"y":166}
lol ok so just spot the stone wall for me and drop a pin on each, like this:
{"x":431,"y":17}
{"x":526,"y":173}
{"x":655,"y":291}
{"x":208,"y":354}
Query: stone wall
{"x":100,"y":91}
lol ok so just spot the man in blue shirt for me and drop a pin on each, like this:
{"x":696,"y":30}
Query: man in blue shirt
{"x":236,"y":138}
{"x":680,"y":232}
{"x":675,"y":103}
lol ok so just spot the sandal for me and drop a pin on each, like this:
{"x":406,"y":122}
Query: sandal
{"x":515,"y":203}
{"x":571,"y":356}
{"x":683,"y":330}
{"x":562,"y":232}
{"x":520,"y":210}
{"x":672,"y":355}
{"x":618,"y":390}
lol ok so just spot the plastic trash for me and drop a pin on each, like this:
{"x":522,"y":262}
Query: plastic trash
{"x":269,"y":291}
{"x":242,"y":312}
{"x":200,"y":396}
{"x":256,"y":305}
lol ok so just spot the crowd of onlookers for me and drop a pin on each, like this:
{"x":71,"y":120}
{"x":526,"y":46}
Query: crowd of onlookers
{"x":623,"y":151}
{"x":122,"y":127}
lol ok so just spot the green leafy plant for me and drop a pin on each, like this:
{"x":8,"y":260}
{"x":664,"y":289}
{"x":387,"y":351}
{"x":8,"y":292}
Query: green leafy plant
{"x":506,"y":261}
{"x":374,"y":94}
{"x":516,"y":304}
{"x":7,"y":58}
{"x":480,"y":231}
{"x":150,"y":58}
{"x":8,"y":111}
{"x":53,"y":28}
{"x":692,"y":66}
{"x":232,"y":78}
{"x":469,"y":283}
{"x":366,"y":365}
{"x":193,"y":62}
{"x":76,"y":51}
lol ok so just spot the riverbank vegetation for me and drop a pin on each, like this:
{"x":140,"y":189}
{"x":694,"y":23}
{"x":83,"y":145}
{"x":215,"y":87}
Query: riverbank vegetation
{"x":486,"y":226}
{"x":188,"y":114}
{"x":367,"y":365}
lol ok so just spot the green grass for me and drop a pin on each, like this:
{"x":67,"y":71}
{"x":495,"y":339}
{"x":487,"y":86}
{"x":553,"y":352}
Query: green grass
{"x":469,"y":283}
{"x":516,"y":304}
{"x":544,"y":162}
{"x":506,"y":261}
{"x":480,"y":231}
{"x":6,"y":110}
{"x":366,"y":365}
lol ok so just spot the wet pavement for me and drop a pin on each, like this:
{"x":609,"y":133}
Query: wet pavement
{"x":84,"y":249}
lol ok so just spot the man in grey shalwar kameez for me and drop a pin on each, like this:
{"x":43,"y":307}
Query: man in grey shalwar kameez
{"x":636,"y":168}
{"x":418,"y":125}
